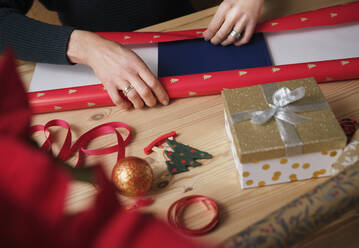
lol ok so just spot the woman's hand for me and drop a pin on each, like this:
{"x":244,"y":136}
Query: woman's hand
{"x":234,"y":22}
{"x":117,"y":67}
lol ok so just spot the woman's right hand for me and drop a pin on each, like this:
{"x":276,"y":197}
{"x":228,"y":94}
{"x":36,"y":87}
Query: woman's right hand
{"x":117,"y":67}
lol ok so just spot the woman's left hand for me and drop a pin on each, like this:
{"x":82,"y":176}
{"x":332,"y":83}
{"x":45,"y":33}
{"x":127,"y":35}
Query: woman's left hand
{"x":234,"y":22}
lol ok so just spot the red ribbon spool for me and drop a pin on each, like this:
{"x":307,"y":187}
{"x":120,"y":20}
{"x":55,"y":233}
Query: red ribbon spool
{"x":176,"y":209}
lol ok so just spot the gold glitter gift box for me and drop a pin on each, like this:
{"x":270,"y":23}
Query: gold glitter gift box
{"x":281,"y":132}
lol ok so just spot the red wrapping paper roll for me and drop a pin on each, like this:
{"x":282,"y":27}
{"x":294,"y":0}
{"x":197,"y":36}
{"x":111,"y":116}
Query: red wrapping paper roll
{"x":212,"y":83}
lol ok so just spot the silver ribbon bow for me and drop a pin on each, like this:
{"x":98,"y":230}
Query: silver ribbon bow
{"x":284,"y":112}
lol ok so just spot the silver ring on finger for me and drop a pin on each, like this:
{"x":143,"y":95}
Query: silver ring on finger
{"x":236,"y":35}
{"x":127,"y":89}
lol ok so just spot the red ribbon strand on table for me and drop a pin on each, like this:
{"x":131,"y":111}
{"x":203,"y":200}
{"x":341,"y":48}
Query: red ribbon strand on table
{"x":176,"y":209}
{"x":67,"y":150}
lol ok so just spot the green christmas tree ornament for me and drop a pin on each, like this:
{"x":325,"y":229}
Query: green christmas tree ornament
{"x":183,"y":156}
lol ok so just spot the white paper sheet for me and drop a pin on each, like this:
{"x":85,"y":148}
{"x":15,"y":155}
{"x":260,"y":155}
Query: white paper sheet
{"x":314,"y":44}
{"x":49,"y":77}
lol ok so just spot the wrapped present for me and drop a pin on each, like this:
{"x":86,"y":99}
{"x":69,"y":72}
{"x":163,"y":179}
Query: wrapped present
{"x":281,"y":132}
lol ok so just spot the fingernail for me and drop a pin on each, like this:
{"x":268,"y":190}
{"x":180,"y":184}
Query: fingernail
{"x":214,"y":42}
{"x":165,"y":102}
{"x":124,"y":106}
{"x":205,"y":36}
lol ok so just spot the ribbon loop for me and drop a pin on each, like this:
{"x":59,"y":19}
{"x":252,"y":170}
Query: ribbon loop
{"x":285,"y":96}
{"x":281,"y":98}
{"x":67,"y":150}
{"x":262,"y":116}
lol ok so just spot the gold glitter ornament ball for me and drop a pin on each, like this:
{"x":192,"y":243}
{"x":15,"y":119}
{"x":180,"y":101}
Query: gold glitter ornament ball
{"x":132,"y":176}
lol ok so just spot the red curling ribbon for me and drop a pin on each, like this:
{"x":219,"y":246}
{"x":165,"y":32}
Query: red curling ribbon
{"x":159,"y":141}
{"x":176,"y":209}
{"x":80,"y":145}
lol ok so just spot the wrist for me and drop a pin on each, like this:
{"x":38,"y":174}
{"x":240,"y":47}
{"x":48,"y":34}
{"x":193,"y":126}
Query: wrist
{"x":78,"y":46}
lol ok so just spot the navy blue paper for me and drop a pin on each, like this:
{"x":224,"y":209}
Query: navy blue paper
{"x":200,"y":56}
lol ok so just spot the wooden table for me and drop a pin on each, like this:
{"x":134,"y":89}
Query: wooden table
{"x":199,"y":123}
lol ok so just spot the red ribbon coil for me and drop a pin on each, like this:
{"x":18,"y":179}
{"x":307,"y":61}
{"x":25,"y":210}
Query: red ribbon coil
{"x":176,"y":209}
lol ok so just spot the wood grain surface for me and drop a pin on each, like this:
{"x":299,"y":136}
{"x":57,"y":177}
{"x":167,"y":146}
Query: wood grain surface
{"x":199,"y":123}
